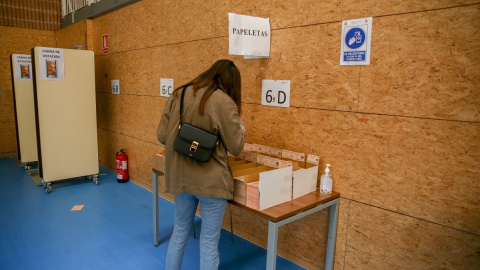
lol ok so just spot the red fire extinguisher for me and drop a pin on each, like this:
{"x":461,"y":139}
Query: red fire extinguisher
{"x":122,"y":167}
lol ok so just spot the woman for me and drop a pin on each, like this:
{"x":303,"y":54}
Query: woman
{"x":212,"y":102}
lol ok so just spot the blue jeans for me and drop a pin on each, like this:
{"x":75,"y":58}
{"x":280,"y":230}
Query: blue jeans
{"x":212,"y":211}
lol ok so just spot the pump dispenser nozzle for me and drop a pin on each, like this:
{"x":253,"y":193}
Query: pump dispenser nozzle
{"x":327,"y":170}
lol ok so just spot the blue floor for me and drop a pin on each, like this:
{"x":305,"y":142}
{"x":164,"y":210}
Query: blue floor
{"x":113,"y":231}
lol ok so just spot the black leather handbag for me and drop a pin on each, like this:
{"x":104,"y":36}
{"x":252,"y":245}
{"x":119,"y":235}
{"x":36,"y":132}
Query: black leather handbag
{"x":192,"y":141}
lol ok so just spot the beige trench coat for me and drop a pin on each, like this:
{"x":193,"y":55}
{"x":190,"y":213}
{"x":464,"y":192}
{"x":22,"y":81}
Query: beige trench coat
{"x":182,"y":174}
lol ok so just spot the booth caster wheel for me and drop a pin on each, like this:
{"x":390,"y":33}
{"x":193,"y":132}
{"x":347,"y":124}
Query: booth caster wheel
{"x":48,"y":188}
{"x":95,"y":179}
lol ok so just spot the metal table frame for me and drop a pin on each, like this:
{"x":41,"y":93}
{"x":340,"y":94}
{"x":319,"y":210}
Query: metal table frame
{"x":155,"y":176}
{"x":272,"y":226}
{"x":332,"y":233}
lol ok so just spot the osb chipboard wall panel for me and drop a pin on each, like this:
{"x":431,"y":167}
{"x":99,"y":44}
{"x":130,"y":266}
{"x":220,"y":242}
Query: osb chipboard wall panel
{"x":284,"y":14}
{"x":379,"y":239}
{"x":6,"y":106}
{"x":152,"y":23}
{"x":8,"y":138}
{"x":402,"y":164}
{"x":90,"y":39}
{"x":21,"y":41}
{"x":127,"y":28}
{"x":6,"y":74}
{"x":72,"y":35}
{"x":188,"y":20}
{"x":138,"y":75}
{"x":317,"y":80}
{"x":139,"y":155}
{"x":423,"y":168}
{"x":183,"y":62}
{"x":423,"y":67}
{"x":140,"y":115}
{"x":342,"y":229}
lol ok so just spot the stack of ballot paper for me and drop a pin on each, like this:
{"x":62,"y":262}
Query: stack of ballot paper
{"x":265,"y":176}
{"x":239,"y":190}
{"x":253,"y":195}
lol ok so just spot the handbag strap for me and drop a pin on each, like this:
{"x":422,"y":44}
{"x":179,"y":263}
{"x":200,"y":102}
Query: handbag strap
{"x":181,"y":107}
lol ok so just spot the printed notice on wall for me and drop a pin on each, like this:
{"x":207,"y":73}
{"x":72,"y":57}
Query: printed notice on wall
{"x":22,"y":67}
{"x":276,"y":93}
{"x":166,"y":87}
{"x":249,"y":36}
{"x":115,"y":87}
{"x":51,"y":64}
{"x":356,"y":41}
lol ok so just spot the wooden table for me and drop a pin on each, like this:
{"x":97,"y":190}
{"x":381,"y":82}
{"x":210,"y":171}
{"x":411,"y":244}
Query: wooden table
{"x":278,"y":215}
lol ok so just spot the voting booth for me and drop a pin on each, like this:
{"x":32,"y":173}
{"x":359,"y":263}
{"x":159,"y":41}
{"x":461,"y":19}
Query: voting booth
{"x":65,"y":113}
{"x":21,"y":69}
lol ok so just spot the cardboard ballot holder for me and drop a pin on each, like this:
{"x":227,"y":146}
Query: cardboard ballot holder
{"x":275,"y":187}
{"x":236,"y":162}
{"x":158,"y":160}
{"x":242,"y":178}
{"x":304,"y":182}
{"x":244,"y":166}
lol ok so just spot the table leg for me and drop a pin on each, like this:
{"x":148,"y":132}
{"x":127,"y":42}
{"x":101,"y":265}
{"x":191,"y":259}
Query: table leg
{"x":155,"y":208}
{"x":332,"y":233}
{"x":231,"y":221}
{"x":272,"y":245}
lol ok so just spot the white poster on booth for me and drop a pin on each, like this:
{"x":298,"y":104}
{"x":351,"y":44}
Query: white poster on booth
{"x":275,"y":187}
{"x":51,"y":63}
{"x":356,"y":42}
{"x":22,"y":66}
{"x":276,"y":93}
{"x":166,"y":87}
{"x":249,"y":36}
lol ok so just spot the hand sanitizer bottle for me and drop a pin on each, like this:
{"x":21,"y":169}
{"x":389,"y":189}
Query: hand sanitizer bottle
{"x":326,"y":181}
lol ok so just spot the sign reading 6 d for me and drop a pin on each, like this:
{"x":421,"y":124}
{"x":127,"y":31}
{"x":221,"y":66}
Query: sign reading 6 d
{"x":276,"y":93}
{"x":166,"y":87}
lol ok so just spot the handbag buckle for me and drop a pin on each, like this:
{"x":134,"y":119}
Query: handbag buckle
{"x":194,"y":146}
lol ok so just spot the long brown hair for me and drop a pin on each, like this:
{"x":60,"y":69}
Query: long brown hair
{"x":223,"y":75}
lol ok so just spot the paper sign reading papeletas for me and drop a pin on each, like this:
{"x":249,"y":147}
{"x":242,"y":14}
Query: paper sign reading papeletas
{"x":51,"y":63}
{"x":249,"y":36}
{"x":22,"y":66}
